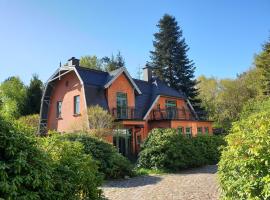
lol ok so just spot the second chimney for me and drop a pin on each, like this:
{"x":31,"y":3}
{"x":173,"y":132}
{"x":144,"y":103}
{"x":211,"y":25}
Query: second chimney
{"x":147,"y":73}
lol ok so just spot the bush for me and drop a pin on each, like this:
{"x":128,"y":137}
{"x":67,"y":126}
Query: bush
{"x":25,"y":171}
{"x":75,"y":173}
{"x":111,"y":163}
{"x":165,"y":149}
{"x":244,"y":171}
{"x":30,"y":121}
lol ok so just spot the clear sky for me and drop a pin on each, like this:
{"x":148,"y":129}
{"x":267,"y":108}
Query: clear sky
{"x":223,"y":35}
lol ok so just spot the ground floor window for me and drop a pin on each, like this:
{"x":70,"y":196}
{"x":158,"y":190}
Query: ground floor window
{"x":189,"y":132}
{"x":206,"y":130}
{"x":180,"y":130}
{"x":199,"y":130}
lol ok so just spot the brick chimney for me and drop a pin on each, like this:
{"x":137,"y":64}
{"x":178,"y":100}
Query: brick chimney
{"x":147,"y":73}
{"x":73,"y":62}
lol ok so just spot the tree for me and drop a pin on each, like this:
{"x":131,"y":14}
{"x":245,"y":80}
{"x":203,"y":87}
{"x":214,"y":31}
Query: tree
{"x":169,"y":59}
{"x":91,"y":62}
{"x":13,"y":96}
{"x":262,"y":62}
{"x":100,"y":121}
{"x":33,"y":96}
{"x":113,"y":63}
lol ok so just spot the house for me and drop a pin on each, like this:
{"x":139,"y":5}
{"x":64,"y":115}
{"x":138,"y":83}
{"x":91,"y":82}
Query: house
{"x":139,"y":105}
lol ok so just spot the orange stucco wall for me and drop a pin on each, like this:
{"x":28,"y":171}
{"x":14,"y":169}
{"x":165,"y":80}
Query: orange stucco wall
{"x":65,"y":90}
{"x":121,"y":84}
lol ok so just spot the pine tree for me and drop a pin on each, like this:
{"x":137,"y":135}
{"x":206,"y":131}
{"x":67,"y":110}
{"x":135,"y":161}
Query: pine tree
{"x":33,"y":96}
{"x":262,"y":62}
{"x":170,"y":62}
{"x":113,"y":63}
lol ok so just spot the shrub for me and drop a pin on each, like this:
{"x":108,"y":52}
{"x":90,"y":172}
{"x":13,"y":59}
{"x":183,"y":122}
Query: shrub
{"x":25,"y":171}
{"x":75,"y":173}
{"x":165,"y":149}
{"x":31,"y":121}
{"x":244,"y":171}
{"x":111,"y":163}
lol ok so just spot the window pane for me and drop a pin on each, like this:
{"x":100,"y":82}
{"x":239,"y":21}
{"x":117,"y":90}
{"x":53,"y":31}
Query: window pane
{"x":58,"y":109}
{"x":188,"y":132}
{"x":122,"y":105}
{"x":180,"y":130}
{"x":76,"y":104}
{"x":199,"y":130}
{"x":206,"y":130}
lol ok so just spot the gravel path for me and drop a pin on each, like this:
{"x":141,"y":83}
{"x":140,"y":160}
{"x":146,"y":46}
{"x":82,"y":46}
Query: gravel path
{"x":199,"y":183}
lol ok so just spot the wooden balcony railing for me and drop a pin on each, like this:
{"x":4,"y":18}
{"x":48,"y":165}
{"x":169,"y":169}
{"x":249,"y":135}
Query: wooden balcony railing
{"x":171,"y":114}
{"x":124,"y":113}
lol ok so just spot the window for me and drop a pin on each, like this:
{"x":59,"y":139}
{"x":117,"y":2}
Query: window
{"x":206,"y":130}
{"x":189,"y":132}
{"x":122,"y":105}
{"x":76,"y":105}
{"x":158,"y":106}
{"x":171,"y":109}
{"x":199,"y":130}
{"x":180,"y":130}
{"x":59,"y":109}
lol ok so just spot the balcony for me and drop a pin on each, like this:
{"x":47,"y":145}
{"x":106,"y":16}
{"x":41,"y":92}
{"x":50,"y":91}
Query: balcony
{"x":171,"y":114}
{"x":124,"y":113}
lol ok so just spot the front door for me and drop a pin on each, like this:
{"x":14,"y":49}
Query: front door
{"x":122,"y":141}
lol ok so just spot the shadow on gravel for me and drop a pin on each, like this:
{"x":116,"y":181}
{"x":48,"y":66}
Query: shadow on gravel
{"x":209,"y":169}
{"x":134,"y":182}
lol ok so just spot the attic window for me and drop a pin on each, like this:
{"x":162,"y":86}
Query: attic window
{"x":67,"y":83}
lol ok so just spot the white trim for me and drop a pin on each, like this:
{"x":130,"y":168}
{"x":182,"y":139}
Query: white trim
{"x":196,"y":116}
{"x":151,"y":107}
{"x":83,"y":90}
{"x":123,"y":69}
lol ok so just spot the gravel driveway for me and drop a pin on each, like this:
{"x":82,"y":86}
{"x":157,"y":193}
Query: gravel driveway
{"x":199,"y":183}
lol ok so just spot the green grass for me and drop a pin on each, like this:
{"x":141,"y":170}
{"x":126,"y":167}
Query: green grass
{"x":144,"y":171}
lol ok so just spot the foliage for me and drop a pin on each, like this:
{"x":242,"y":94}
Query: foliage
{"x":24,"y":168}
{"x":224,"y":99}
{"x":113,"y":63}
{"x":33,"y":96}
{"x":262,"y":62}
{"x":75,"y":173}
{"x":91,"y":62}
{"x":30,"y":121}
{"x":111,"y":163}
{"x":105,"y":64}
{"x":244,"y":166}
{"x":12,"y":95}
{"x":165,"y":149}
{"x":100,"y":121}
{"x":170,"y":61}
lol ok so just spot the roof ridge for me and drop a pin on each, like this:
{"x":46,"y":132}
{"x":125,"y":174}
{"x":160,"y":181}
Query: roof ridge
{"x":89,"y":69}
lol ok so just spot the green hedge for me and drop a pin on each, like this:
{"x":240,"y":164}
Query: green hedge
{"x":244,"y":168}
{"x":25,"y":171}
{"x":111,"y":163}
{"x":165,"y":149}
{"x":44,"y":168}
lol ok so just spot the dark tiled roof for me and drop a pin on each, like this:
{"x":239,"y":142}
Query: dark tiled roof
{"x":95,"y":80}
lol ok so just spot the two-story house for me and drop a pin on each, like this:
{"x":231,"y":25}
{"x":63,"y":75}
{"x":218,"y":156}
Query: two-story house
{"x":139,"y":105}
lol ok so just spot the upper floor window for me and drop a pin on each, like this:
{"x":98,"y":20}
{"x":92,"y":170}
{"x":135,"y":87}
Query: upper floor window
{"x":171,"y":109}
{"x":121,"y":105}
{"x":76,"y":104}
{"x":59,"y":109}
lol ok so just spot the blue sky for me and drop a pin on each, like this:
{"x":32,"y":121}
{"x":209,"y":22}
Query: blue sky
{"x":35,"y":36}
